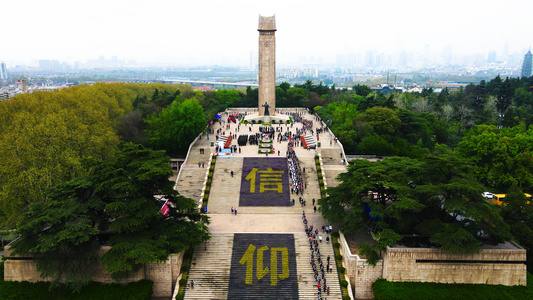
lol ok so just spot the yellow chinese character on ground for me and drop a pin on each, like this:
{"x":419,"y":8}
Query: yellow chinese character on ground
{"x":248,"y":260}
{"x":269,"y":180}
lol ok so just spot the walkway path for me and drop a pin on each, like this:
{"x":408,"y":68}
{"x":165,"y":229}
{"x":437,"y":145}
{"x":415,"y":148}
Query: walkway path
{"x":212,"y":267}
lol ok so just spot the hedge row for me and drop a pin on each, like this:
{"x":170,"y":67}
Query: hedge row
{"x":320,"y":177}
{"x":340,"y":269}
{"x":141,"y":290}
{"x":209,"y":181}
{"x":187,"y":260}
{"x":384,"y":289}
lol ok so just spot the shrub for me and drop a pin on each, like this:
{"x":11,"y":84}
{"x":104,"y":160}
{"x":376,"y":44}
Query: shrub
{"x":185,"y":267}
{"x":141,"y":290}
{"x":208,"y":182}
{"x":344,"y":283}
{"x":210,"y":175}
{"x":188,"y":255}
{"x":346,"y":297}
{"x":339,"y":257}
{"x":337,"y":245}
{"x":253,"y":121}
{"x":335,"y":234}
{"x":316,"y":157}
{"x":429,"y":290}
{"x":183,"y":281}
{"x":320,"y":177}
{"x":212,"y":168}
{"x":179,"y":296}
{"x":260,"y":121}
{"x":342,"y":269}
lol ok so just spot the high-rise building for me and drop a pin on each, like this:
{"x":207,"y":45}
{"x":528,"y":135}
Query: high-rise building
{"x":492,"y":57}
{"x":3,"y":71}
{"x":526,"y":66}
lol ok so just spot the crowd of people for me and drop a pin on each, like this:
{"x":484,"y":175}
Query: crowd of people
{"x":242,"y":140}
{"x":316,"y":261}
{"x":295,"y":171}
{"x":266,"y":129}
{"x":245,"y":139}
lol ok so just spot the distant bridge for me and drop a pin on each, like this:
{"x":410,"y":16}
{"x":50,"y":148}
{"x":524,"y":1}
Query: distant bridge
{"x":210,"y":83}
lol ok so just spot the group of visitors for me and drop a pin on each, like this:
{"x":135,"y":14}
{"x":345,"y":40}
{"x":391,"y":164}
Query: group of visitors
{"x":266,"y":129}
{"x":242,"y":140}
{"x":295,"y":172}
{"x":252,"y":139}
{"x":317,"y":264}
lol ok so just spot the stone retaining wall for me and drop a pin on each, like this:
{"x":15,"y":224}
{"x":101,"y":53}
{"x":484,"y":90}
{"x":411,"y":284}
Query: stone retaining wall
{"x":164,"y":275}
{"x":360,"y":274}
{"x":504,"y":264}
{"x":491,"y":266}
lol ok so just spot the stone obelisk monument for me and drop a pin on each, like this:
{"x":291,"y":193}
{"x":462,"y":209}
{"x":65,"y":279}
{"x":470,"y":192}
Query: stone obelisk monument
{"x":267,"y":67}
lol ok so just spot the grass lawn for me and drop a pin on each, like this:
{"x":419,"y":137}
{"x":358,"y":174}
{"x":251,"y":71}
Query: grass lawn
{"x":426,"y":290}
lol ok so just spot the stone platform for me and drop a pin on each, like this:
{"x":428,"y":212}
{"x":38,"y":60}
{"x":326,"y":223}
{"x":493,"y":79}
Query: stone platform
{"x":267,"y":222}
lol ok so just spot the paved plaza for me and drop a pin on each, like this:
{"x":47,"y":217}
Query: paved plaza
{"x":260,"y":192}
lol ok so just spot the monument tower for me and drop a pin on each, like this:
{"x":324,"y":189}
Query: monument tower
{"x":267,"y":66}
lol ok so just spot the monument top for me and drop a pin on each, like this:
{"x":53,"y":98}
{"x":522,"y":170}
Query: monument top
{"x":267,"y":23}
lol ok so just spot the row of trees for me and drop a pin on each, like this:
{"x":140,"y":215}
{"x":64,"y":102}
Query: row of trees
{"x":71,"y":182}
{"x":436,"y":196}
{"x":430,"y":189}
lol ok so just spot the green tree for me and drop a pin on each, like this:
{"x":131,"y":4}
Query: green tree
{"x":362,"y":90}
{"x":177,"y":126}
{"x":518,"y":213}
{"x":503,"y":158}
{"x":295,"y":96}
{"x":62,"y":233}
{"x":384,"y":121}
{"x":117,"y":203}
{"x":433,"y":196}
{"x":285,"y":86}
{"x":505,"y":95}
{"x":44,"y":135}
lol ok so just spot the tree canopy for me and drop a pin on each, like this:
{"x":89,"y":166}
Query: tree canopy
{"x":176,"y":126}
{"x":435,"y":196}
{"x":117,"y":204}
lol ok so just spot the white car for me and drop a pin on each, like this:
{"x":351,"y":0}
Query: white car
{"x":488,"y":195}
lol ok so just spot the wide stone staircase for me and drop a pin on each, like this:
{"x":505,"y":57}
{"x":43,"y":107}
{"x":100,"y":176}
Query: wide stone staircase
{"x":192,"y":177}
{"x":225,"y":188}
{"x":211,"y":269}
{"x":331,"y":163}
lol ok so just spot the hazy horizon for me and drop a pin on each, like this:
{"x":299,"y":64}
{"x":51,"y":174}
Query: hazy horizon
{"x":207,"y":31}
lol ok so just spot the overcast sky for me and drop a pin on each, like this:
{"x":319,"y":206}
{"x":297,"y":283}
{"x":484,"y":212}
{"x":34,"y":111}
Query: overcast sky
{"x":197,"y":31}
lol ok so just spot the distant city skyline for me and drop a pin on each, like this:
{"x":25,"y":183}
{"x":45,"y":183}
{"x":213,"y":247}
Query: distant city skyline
{"x":208,"y":32}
